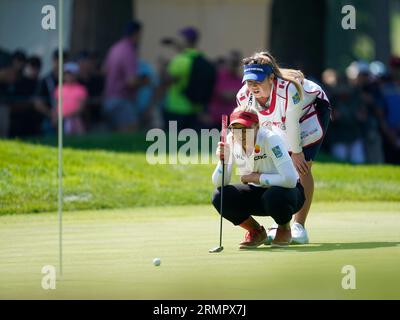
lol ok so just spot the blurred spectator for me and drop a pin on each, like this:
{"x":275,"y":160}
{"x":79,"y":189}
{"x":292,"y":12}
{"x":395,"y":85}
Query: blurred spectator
{"x":90,"y":77}
{"x":74,"y":97}
{"x":8,"y":77}
{"x":330,"y":80}
{"x":44,"y":100}
{"x":24,"y":119}
{"x":346,"y":128}
{"x":18,"y":61}
{"x":5,"y":59}
{"x":184,"y":72}
{"x":122,"y":81}
{"x":371,"y":100}
{"x":378,"y":70}
{"x":391,"y":128}
{"x":4,"y":114}
{"x":147,"y":107}
{"x":32,"y":68}
{"x":229,"y":81}
{"x":355,"y":132}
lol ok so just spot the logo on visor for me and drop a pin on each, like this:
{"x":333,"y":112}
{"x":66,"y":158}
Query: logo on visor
{"x":257,"y":148}
{"x":254,"y":69}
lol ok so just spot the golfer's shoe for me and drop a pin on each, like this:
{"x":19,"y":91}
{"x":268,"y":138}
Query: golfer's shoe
{"x":271,"y":232}
{"x":282,"y":238}
{"x":253,"y":239}
{"x":299,"y":234}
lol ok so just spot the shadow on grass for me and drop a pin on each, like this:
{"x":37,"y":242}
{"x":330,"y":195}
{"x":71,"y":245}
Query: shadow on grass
{"x":317,"y":247}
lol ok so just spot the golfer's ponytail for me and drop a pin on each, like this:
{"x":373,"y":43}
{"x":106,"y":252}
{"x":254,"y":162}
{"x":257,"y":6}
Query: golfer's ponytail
{"x":265,"y":57}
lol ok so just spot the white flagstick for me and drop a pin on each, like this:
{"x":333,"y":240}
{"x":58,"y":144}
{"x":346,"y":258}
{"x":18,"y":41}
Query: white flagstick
{"x":60,"y":127}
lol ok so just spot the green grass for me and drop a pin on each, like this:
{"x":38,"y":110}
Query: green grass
{"x":108,"y":255}
{"x":119,"y":142}
{"x":96,"y":179}
{"x":116,"y":142}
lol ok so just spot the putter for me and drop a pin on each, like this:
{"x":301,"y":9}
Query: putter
{"x":223,"y":134}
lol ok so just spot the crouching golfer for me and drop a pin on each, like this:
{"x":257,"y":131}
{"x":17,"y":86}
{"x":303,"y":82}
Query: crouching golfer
{"x":270,"y":183}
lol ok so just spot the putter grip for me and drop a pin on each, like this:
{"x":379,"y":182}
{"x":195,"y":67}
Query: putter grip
{"x":224,"y":126}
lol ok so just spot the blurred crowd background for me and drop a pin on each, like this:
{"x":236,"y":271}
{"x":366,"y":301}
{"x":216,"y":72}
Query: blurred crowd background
{"x":125,"y":72}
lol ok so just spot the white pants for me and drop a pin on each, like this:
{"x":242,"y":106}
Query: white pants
{"x":352,"y":152}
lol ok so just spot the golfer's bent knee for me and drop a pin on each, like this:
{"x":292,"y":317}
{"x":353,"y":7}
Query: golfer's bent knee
{"x":273,"y":199}
{"x":216,"y":200}
{"x":230,"y":211}
{"x":277,"y":207}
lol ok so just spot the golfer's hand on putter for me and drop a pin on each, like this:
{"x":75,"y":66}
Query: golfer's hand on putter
{"x":253,"y":177}
{"x":223,"y":152}
{"x":300,"y":163}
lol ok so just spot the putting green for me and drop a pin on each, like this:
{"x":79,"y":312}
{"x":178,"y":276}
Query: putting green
{"x":108,"y":255}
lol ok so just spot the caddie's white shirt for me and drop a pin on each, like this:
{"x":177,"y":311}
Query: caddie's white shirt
{"x":296,"y":121}
{"x":269,"y":157}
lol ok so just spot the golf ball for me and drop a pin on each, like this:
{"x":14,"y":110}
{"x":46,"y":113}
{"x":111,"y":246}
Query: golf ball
{"x":156,"y":261}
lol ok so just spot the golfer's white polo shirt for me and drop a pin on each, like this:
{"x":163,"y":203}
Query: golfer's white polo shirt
{"x":269,"y":157}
